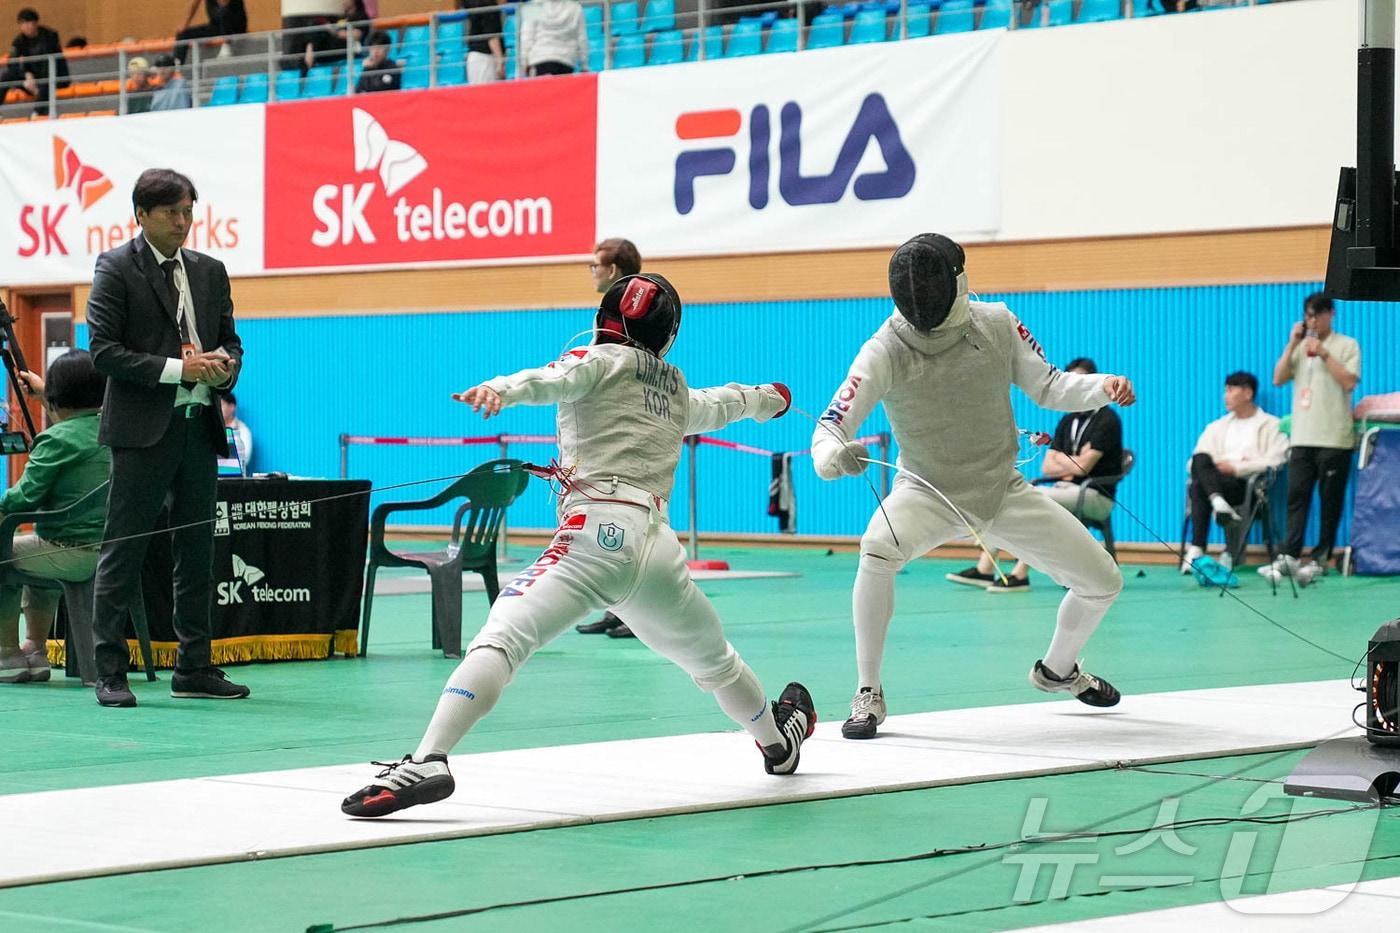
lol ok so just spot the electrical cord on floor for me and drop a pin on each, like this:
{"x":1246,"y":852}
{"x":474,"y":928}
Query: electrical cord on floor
{"x":1276,"y":820}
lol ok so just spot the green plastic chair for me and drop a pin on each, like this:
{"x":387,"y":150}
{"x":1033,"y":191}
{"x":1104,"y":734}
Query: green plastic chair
{"x":487,"y":490}
{"x":80,"y":656}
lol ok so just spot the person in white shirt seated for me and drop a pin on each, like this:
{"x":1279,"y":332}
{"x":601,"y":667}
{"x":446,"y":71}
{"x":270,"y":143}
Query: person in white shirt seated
{"x":1246,"y":441}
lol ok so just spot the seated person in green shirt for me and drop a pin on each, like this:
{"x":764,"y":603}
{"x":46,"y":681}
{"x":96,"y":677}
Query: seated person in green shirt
{"x":66,"y":464}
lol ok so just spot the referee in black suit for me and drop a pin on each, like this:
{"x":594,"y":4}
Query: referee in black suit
{"x":160,"y":320}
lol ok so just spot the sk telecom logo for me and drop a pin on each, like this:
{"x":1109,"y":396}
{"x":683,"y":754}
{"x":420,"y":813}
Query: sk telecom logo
{"x":872,"y":121}
{"x":88,"y":184}
{"x":38,"y":223}
{"x":398,"y":163}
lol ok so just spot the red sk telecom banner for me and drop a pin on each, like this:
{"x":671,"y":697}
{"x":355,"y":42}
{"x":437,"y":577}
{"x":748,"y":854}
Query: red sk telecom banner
{"x":485,"y":173}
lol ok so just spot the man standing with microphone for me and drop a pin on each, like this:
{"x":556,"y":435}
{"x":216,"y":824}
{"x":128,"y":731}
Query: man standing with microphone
{"x":1324,"y":367}
{"x":160,"y":320}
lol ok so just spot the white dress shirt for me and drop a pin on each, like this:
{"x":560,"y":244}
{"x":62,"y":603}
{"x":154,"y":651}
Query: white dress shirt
{"x":201,"y":394}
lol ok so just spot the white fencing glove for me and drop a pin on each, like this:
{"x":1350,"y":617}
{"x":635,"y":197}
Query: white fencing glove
{"x":832,"y":462}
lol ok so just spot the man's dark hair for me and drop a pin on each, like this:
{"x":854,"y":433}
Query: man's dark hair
{"x":158,"y":187}
{"x":621,"y":253}
{"x":228,"y":397}
{"x":27,"y":15}
{"x":73,"y":382}
{"x":1082,"y":362}
{"x":1317,"y":303}
{"x":76,"y":42}
{"x":1245,"y":380}
{"x":164,"y":61}
{"x":378,"y":37}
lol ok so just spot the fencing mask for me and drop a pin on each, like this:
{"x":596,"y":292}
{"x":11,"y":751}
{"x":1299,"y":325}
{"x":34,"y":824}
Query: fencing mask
{"x":924,"y":279}
{"x":640,"y":309}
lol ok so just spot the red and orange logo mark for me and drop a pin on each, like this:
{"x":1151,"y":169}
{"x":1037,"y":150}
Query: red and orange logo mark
{"x":88,"y":184}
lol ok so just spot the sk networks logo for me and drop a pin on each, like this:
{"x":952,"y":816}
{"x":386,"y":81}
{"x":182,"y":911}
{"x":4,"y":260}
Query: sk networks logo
{"x":872,"y":121}
{"x":340,"y":209}
{"x":246,"y":575}
{"x":38,"y":223}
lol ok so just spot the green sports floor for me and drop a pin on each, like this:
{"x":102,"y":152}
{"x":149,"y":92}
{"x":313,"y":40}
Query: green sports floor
{"x":939,"y":859}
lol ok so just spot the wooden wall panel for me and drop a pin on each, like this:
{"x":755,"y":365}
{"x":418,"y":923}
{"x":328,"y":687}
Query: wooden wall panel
{"x":1254,"y":256}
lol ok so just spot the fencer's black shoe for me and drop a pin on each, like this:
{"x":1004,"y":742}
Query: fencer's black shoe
{"x":1086,"y":688}
{"x":970,"y":577}
{"x":403,"y":783}
{"x":206,"y":683}
{"x":114,"y":691}
{"x":867,"y":713}
{"x":797,"y":720}
{"x":601,"y":627}
{"x":621,"y":631}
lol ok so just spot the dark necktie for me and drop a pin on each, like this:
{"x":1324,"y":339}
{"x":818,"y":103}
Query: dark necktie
{"x":173,"y":293}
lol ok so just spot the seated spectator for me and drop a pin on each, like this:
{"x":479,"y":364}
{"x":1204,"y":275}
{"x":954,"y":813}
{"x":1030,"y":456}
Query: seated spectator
{"x":226,"y":18}
{"x":242,"y":437}
{"x":1086,"y":444}
{"x":553,"y":37}
{"x":380,"y":73}
{"x":1246,"y":441}
{"x":28,"y":66}
{"x":174,"y":92}
{"x":66,"y":464}
{"x":328,"y":46}
{"x":138,"y":85}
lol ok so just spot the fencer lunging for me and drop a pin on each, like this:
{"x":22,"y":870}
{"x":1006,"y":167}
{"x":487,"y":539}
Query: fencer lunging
{"x":943,"y":366}
{"x":622,"y":414}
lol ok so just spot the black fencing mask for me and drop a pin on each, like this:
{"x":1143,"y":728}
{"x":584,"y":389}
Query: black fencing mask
{"x":924,"y":279}
{"x":640,"y":309}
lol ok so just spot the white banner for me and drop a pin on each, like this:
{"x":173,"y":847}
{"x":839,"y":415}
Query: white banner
{"x":845,"y":147}
{"x":65,"y":191}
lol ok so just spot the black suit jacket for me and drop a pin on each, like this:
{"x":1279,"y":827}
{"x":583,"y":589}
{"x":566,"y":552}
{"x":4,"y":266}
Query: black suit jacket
{"x":133,"y":331}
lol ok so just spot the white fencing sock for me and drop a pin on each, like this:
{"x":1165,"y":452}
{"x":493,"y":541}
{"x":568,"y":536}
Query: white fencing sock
{"x":1077,"y":619}
{"x":470,"y":693}
{"x":872,"y":605}
{"x":745,"y":702}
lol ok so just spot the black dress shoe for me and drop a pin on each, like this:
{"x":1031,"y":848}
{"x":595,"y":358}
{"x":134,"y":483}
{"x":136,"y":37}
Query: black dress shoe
{"x":113,"y":691}
{"x":603,"y":626}
{"x":620,"y":631}
{"x":206,"y":683}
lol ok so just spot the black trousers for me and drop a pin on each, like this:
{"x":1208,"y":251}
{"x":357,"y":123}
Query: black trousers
{"x":181,"y":471}
{"x":184,"y":36}
{"x":1207,"y":481}
{"x":1327,"y":468}
{"x":551,"y":68}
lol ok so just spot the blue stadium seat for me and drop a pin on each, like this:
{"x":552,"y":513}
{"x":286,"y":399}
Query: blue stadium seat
{"x":451,"y":39}
{"x":254,"y":89}
{"x":714,"y":45}
{"x":954,"y":16}
{"x":288,"y":85}
{"x":341,"y":79}
{"x":225,"y":91}
{"x":828,"y":29}
{"x":415,"y":77}
{"x":745,"y":39}
{"x":629,"y":51}
{"x":996,"y":15}
{"x":782,"y":37}
{"x":869,"y":27}
{"x":452,"y":73}
{"x":1100,"y":11}
{"x":593,"y":19}
{"x":596,"y":58}
{"x":1061,"y":12}
{"x":667,"y":48}
{"x":510,"y":64}
{"x":768,"y":18}
{"x":415,"y":45}
{"x":625,"y":19}
{"x":660,"y":15}
{"x":920,"y":22}
{"x":318,"y":82}
{"x":510,"y":25}
{"x":848,"y":10}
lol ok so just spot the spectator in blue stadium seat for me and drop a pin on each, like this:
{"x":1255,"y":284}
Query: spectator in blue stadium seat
{"x":32,"y":75}
{"x":381,"y":73}
{"x":553,"y":37}
{"x":486,"y":53}
{"x":174,"y":91}
{"x":226,"y":18}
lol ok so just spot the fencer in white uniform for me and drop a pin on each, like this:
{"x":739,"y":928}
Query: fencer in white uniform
{"x":943,"y":366}
{"x":622,"y":415}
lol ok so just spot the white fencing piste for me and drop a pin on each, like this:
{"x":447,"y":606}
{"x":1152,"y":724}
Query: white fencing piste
{"x":111,"y":830}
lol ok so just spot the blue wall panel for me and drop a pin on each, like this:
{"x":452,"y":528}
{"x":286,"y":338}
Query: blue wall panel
{"x":310,"y":379}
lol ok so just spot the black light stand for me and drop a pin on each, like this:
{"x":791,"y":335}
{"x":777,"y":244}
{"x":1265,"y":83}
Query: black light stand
{"x":14,"y":442}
